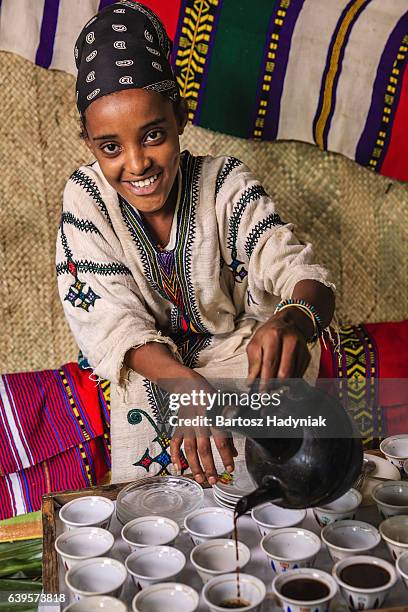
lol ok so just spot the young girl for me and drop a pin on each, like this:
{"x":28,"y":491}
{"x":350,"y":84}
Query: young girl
{"x":172,"y":269}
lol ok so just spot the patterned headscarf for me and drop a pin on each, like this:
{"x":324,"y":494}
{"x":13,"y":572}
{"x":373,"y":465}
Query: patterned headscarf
{"x":125,"y":46}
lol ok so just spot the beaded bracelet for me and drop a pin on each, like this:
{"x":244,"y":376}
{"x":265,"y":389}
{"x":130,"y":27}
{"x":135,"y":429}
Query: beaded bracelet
{"x":308,"y":309}
{"x":309,"y":315}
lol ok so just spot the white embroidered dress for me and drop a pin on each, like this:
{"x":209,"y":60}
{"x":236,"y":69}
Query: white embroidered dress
{"x":230,"y":260}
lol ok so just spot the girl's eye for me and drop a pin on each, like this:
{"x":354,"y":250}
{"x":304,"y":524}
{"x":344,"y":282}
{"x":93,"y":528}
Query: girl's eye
{"x":110,"y":148}
{"x":154,"y":135}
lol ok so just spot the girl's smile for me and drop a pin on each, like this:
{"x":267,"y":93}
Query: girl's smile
{"x":145,"y":186}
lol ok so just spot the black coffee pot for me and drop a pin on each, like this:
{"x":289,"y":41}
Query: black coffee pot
{"x":310,"y":465}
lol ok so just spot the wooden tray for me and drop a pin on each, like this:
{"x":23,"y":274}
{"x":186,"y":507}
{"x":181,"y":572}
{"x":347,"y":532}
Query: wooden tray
{"x":51,"y":503}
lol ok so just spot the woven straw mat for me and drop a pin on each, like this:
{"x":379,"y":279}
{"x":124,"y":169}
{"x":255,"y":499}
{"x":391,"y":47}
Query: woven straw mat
{"x":358,"y":221}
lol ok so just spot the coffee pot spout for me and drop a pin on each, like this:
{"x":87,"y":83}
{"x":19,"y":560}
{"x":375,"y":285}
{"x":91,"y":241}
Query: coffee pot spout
{"x":269,"y":491}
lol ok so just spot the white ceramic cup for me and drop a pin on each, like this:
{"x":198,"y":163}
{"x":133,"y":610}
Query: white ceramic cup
{"x":304,"y":605}
{"x":83,"y":543}
{"x":391,"y":498}
{"x":269,"y":517}
{"x":153,"y":564}
{"x":89,"y":511}
{"x":167,"y":596}
{"x":224,"y":588}
{"x":394,"y":532}
{"x":97,"y":603}
{"x":347,"y":538}
{"x":343,"y":508}
{"x":290,"y":548}
{"x":98,"y":576}
{"x":384,"y":470}
{"x":402,"y":567}
{"x":395,"y":450}
{"x":357,"y":597}
{"x":217,"y":557}
{"x":150,"y":531}
{"x":209,"y":523}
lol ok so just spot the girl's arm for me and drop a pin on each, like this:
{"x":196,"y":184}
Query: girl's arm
{"x":279,"y":348}
{"x":156,"y":362}
{"x":257,"y":245}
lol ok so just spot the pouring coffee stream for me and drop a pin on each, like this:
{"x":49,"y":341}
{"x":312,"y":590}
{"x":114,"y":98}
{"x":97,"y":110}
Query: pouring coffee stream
{"x":304,"y":467}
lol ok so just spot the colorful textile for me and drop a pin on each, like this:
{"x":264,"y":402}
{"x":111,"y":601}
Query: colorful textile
{"x":78,"y":467}
{"x":54,"y":435}
{"x":374,"y":362}
{"x":229,"y":261}
{"x":329,"y":73}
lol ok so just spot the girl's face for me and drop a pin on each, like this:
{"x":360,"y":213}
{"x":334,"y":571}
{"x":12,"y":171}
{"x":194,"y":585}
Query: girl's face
{"x":134,"y":135}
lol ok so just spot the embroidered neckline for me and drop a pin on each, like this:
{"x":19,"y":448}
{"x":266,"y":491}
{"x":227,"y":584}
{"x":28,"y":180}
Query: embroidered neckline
{"x":186,"y":230}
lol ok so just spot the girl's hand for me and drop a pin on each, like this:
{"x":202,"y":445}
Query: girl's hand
{"x":197,"y":445}
{"x":278,"y":349}
{"x":198,"y":451}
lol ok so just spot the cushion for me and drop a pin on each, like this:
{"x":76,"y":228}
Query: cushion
{"x":373,"y":358}
{"x":54,"y":435}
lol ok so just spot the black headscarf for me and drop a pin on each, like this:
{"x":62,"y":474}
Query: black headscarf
{"x":125,"y":46}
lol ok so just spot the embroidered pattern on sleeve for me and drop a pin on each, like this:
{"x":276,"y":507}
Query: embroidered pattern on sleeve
{"x":236,"y":266}
{"x":189,"y":346}
{"x":231,"y":163}
{"x":81,"y":295}
{"x":82,"y":224}
{"x":84,"y":265}
{"x":270,"y":221}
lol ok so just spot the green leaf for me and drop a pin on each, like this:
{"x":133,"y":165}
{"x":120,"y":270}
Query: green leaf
{"x":17,"y":565}
{"x":17,"y":586}
{"x":25,"y":549}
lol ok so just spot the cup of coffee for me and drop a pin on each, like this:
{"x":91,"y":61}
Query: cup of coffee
{"x":364,"y":581}
{"x":226,"y":593}
{"x":304,"y":590}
